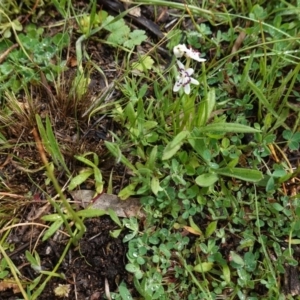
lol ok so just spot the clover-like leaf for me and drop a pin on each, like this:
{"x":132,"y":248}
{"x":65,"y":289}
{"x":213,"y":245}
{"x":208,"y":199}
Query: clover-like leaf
{"x":136,"y":37}
{"x":293,"y":139}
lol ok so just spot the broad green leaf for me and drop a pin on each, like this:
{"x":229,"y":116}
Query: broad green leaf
{"x":206,"y":179}
{"x":175,"y":145}
{"x":203,"y":267}
{"x":240,"y":173}
{"x":228,"y":127}
{"x":211,"y":228}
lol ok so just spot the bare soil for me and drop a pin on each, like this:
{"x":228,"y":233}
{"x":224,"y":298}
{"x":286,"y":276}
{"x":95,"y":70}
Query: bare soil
{"x":92,"y":270}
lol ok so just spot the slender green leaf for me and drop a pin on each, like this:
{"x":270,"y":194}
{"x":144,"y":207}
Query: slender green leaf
{"x":261,"y":97}
{"x":240,"y":173}
{"x":124,"y":292}
{"x":51,"y":218}
{"x":35,"y":262}
{"x":52,"y":229}
{"x":228,"y":127}
{"x":55,"y":151}
{"x":155,"y":187}
{"x":85,"y":160}
{"x":115,"y":233}
{"x":97,"y":174}
{"x":226,"y":273}
{"x":174,"y":145}
{"x":152,"y":158}
{"x":116,"y":152}
{"x":236,"y":258}
{"x":50,"y":143}
{"x":80,"y":178}
{"x":206,"y":108}
{"x":210,"y":229}
{"x":114,"y":217}
{"x":194,"y":226}
{"x":127,"y":191}
{"x":38,"y":291}
{"x":91,"y":212}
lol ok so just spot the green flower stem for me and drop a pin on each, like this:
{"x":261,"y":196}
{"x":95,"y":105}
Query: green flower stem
{"x":62,"y":257}
{"x":14,"y":273}
{"x":188,"y":61}
{"x":78,"y":221}
{"x":182,"y":6}
{"x":195,"y":280}
{"x":50,"y":173}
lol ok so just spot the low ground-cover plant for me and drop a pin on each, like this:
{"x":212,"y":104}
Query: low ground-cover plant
{"x":192,"y":158}
{"x":34,"y":55}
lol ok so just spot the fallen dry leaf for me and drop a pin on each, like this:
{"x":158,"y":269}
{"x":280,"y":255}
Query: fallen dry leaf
{"x":123,"y":208}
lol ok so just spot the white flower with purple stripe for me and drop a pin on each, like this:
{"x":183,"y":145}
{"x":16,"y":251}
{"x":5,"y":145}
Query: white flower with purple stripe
{"x":184,"y":79}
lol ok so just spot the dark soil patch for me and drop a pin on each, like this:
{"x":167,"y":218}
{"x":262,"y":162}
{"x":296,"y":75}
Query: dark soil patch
{"x":98,"y":263}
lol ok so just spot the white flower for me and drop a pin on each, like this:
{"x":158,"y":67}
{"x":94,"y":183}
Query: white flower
{"x":181,"y":50}
{"x":184,"y":79}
